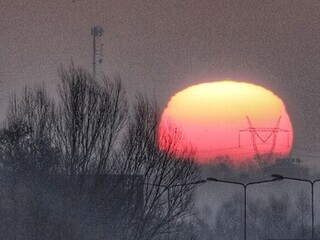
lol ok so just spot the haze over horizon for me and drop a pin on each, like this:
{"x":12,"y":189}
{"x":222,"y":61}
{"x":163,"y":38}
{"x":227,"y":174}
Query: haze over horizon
{"x":161,"y":47}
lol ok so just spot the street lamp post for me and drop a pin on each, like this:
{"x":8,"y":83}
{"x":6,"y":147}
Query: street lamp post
{"x":245,"y":196}
{"x":280,"y":177}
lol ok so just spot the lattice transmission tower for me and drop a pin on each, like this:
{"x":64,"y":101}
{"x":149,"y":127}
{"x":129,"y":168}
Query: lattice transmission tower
{"x":270,"y":135}
{"x":97,"y":48}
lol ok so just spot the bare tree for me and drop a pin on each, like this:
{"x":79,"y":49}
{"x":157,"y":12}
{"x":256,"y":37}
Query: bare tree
{"x":87,"y":120}
{"x":167,"y":192}
{"x":130,"y":188}
{"x":26,"y":139}
{"x":27,"y":158}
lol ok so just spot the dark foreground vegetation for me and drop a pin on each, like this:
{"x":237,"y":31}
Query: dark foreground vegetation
{"x":275,"y":210}
{"x":86,"y":166}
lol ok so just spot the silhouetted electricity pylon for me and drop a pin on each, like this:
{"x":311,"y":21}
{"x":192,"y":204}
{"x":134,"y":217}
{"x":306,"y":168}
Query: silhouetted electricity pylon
{"x":271,"y":133}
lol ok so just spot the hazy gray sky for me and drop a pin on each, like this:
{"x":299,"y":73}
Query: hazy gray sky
{"x":161,"y":47}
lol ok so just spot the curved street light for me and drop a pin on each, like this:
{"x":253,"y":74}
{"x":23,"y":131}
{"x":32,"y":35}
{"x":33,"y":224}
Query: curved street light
{"x":280,"y":177}
{"x":245,"y":195}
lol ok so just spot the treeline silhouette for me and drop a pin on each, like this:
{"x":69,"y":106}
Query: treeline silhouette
{"x":278,"y":210}
{"x":87,"y":166}
{"x":274,"y":217}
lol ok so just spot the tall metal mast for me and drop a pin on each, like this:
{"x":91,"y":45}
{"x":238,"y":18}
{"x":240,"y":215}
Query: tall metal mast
{"x":96,"y":32}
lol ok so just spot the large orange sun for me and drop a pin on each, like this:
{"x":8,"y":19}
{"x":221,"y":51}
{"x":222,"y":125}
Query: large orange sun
{"x":226,"y":118}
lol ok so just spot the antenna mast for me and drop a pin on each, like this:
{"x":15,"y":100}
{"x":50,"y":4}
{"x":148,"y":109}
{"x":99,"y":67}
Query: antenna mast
{"x":96,"y":33}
